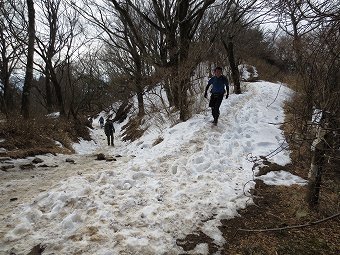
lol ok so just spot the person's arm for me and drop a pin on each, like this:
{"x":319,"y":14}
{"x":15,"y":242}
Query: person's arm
{"x":227,"y":87}
{"x":206,"y":90}
{"x":227,"y":93}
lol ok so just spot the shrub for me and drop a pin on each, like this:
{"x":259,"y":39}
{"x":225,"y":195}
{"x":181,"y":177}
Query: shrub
{"x":21,"y":138}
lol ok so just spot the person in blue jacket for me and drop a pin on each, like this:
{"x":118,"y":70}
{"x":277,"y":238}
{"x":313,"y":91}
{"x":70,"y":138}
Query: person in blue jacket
{"x":220,"y":85}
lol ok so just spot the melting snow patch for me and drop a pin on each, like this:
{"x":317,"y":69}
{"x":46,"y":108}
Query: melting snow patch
{"x":201,"y":249}
{"x":281,"y":178}
{"x":85,"y":147}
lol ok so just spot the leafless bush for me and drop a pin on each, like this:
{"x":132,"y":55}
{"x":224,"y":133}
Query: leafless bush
{"x":40,"y":135}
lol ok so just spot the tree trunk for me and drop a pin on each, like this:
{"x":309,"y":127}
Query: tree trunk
{"x":175,"y":86}
{"x":235,"y":74}
{"x":315,"y":174}
{"x":173,"y":55}
{"x":57,"y":89}
{"x":184,"y":112}
{"x":184,"y":45}
{"x":140,"y":98}
{"x":59,"y":95}
{"x":317,"y":164}
{"x":167,"y":88}
{"x":49,"y":104}
{"x":25,"y":104}
{"x":6,"y":85}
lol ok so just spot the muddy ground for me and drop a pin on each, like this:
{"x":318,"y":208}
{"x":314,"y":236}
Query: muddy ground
{"x":280,"y":222}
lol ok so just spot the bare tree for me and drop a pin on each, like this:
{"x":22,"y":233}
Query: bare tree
{"x":11,"y":50}
{"x":323,"y":76}
{"x":25,"y":105}
{"x":59,"y":29}
{"x":127,"y":41}
{"x":314,"y":29}
{"x":50,"y":10}
{"x":235,"y":18}
{"x":90,"y":91}
{"x":176,"y":23}
{"x":122,"y":36}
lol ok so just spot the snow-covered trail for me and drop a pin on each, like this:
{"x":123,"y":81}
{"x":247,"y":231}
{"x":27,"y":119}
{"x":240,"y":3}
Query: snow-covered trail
{"x":22,"y":186}
{"x":153,"y":195}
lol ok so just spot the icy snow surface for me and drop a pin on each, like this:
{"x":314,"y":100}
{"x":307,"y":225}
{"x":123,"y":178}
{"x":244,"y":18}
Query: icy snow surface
{"x":153,"y":195}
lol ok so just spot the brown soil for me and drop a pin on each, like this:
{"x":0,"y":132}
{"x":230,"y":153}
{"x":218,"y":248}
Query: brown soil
{"x":280,"y":207}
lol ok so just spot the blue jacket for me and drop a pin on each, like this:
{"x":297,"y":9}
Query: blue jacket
{"x":218,"y":85}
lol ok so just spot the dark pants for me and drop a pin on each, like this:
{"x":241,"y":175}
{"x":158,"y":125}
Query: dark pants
{"x":215,"y":103}
{"x":109,"y":138}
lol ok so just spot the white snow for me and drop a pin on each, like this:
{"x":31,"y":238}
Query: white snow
{"x":281,"y":178}
{"x":153,"y":195}
{"x":245,"y":74}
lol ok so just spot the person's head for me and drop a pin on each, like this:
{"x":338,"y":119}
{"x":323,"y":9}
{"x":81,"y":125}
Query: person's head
{"x":218,"y":71}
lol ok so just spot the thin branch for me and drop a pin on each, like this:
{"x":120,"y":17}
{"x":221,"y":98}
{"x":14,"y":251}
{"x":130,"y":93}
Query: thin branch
{"x":291,"y":227}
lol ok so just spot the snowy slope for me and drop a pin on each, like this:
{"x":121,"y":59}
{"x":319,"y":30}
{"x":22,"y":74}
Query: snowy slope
{"x":153,"y":195}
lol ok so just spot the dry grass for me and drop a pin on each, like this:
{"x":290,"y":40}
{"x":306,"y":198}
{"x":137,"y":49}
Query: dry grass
{"x":22,"y":138}
{"x":279,"y":207}
{"x":158,"y":141}
{"x":133,"y":130}
{"x":266,"y":71}
{"x":273,"y":73}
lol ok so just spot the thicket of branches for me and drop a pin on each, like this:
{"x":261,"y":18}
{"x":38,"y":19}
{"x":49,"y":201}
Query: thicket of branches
{"x":76,"y":58}
{"x":312,"y":52}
